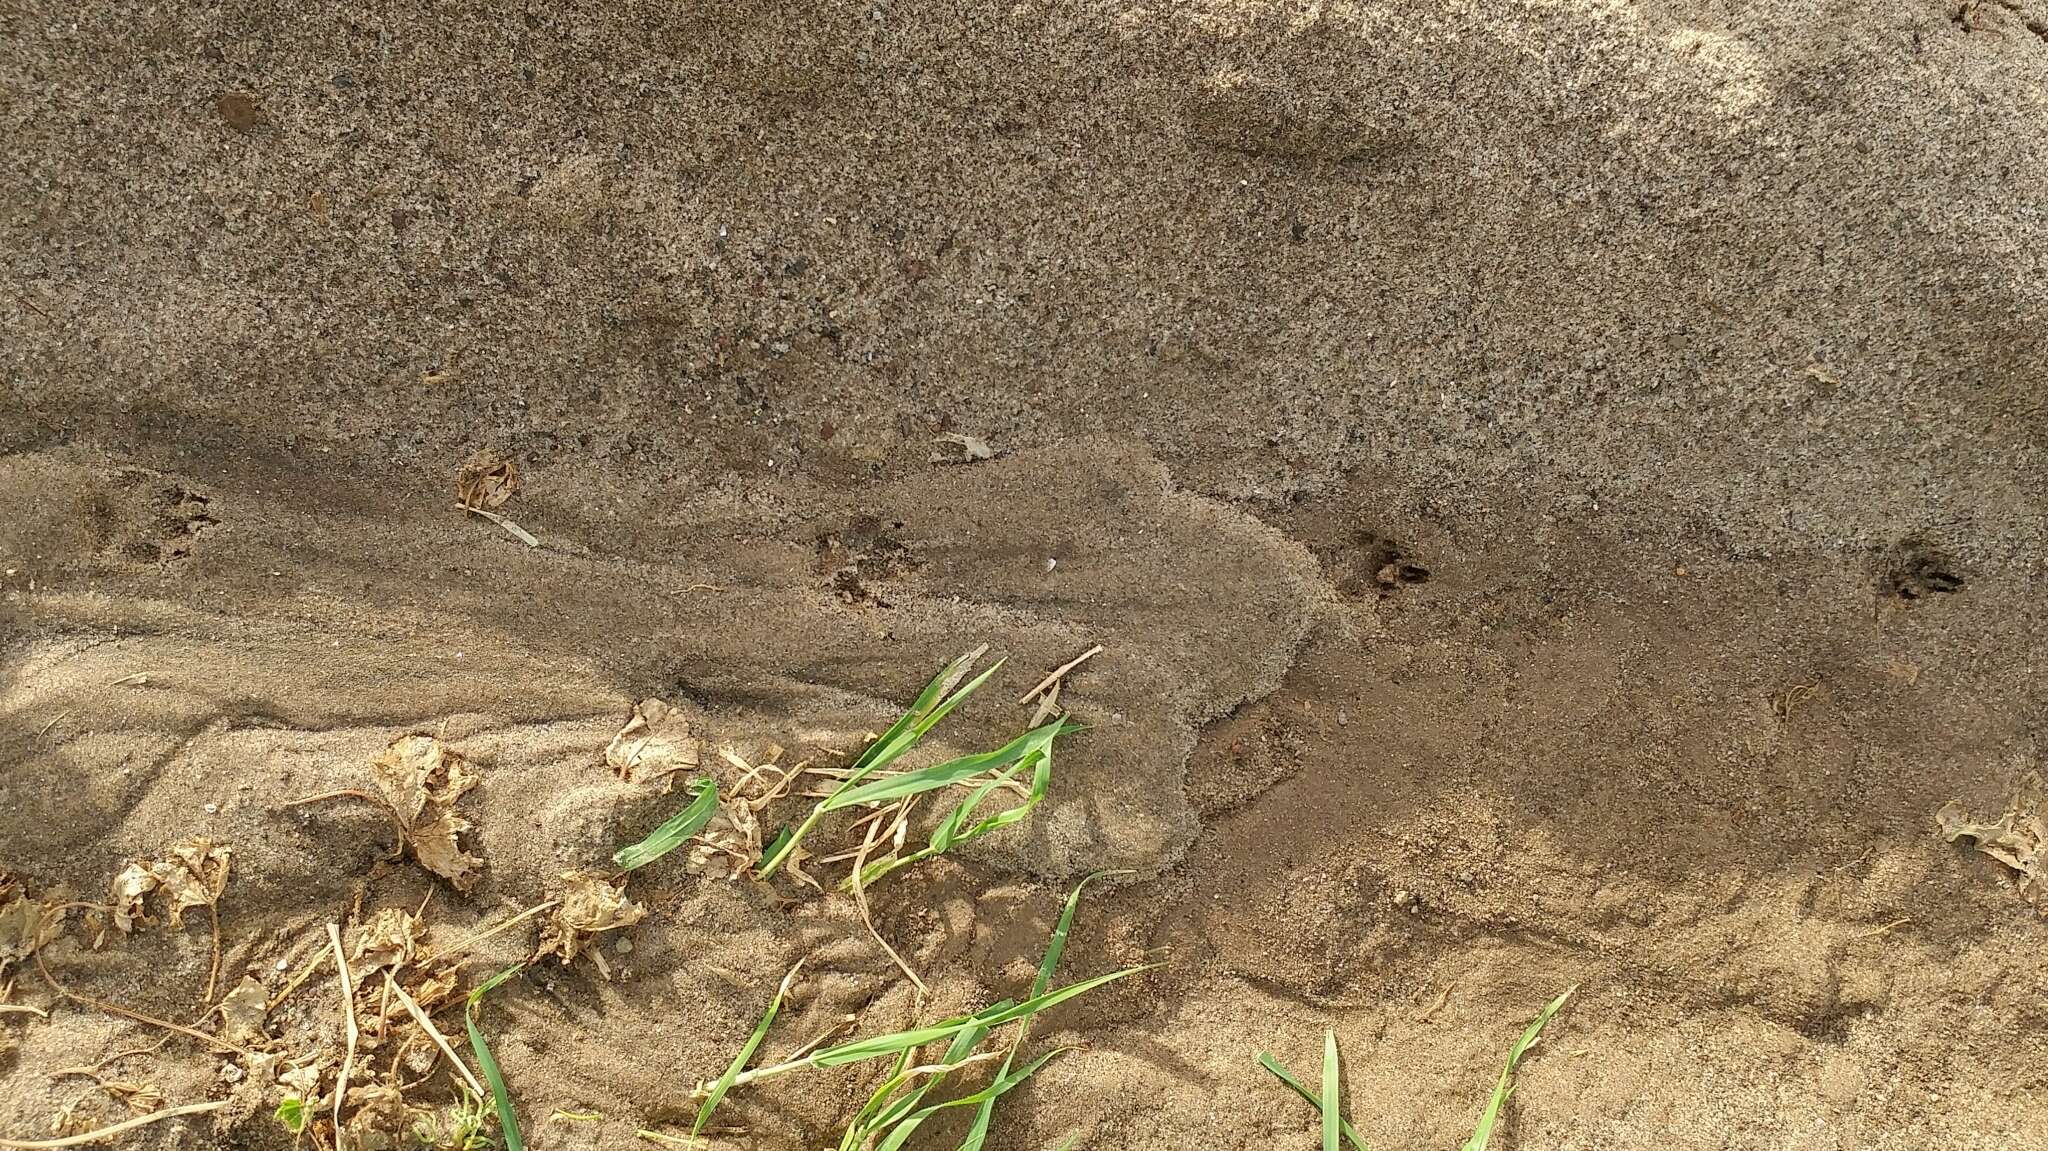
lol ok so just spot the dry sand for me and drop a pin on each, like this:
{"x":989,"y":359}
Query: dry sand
{"x":1560,"y":487}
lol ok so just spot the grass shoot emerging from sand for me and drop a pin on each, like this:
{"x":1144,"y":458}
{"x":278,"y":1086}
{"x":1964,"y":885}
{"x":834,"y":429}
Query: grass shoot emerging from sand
{"x":508,"y":1123}
{"x":1505,"y":1086}
{"x":894,"y":1109}
{"x":1327,"y":1103}
{"x":674,"y":833}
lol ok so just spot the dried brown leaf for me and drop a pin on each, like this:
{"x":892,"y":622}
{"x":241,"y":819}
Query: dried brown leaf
{"x":381,"y":1117}
{"x":126,"y":893}
{"x":242,"y":1013}
{"x":656,"y":742}
{"x":304,"y":1079}
{"x":421,"y":778}
{"x":193,"y":874}
{"x":972,"y":448}
{"x":390,"y":939}
{"x":25,"y":925}
{"x":730,"y":844}
{"x":2018,"y":839}
{"x":485,"y":480}
{"x":437,"y":988}
{"x":590,"y":904}
{"x":140,"y":1097}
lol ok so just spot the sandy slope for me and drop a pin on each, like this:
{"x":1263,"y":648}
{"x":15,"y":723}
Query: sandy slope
{"x":1491,"y":442}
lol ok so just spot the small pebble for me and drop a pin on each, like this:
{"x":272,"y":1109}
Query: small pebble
{"x":623,"y":947}
{"x":1051,"y":563}
{"x":282,"y":963}
{"x":212,"y":808}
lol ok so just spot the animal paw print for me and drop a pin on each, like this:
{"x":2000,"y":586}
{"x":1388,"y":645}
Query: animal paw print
{"x":861,"y":556}
{"x":1915,"y":569}
{"x":149,"y":517}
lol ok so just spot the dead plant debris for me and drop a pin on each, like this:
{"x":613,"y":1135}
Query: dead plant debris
{"x":390,"y":939}
{"x":243,"y":1012}
{"x":190,"y":874}
{"x":655,"y":744}
{"x":968,"y":449}
{"x":420,"y":778}
{"x":591,"y":903}
{"x":25,"y":924}
{"x":2018,"y":839}
{"x":485,"y":480}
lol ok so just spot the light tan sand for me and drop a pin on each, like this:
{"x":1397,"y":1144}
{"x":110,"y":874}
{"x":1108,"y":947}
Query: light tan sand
{"x":1508,"y":453}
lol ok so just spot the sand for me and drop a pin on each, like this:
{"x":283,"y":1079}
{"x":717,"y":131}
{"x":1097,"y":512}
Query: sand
{"x":1560,"y":488}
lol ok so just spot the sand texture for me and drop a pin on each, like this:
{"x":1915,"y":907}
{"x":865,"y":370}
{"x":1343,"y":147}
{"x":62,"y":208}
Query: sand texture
{"x":1559,"y":487}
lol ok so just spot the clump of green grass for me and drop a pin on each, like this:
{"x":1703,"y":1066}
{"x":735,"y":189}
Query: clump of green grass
{"x":895,"y":1108}
{"x":1032,"y":750}
{"x":508,"y":1122}
{"x":1329,"y":1105}
{"x":939,"y":697}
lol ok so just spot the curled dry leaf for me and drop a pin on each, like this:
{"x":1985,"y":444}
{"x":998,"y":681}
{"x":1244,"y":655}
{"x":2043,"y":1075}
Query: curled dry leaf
{"x":191,"y":874}
{"x":390,"y":939}
{"x":242,"y":1012}
{"x":655,"y":743}
{"x":126,"y":894}
{"x":436,"y":989}
{"x":141,"y":1098}
{"x":25,"y":924}
{"x":421,"y":778}
{"x":381,"y":1117}
{"x":590,"y":904}
{"x":304,"y":1079}
{"x":485,"y":480}
{"x":2017,"y":839}
{"x":730,"y":845}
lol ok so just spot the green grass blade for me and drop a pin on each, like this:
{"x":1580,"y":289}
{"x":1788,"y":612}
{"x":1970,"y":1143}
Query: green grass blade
{"x":953,"y":829}
{"x":991,"y":1018}
{"x":1058,"y":944}
{"x":977,"y":1134}
{"x":888,"y":748}
{"x":1505,"y":1086}
{"x":950,"y":832}
{"x":1333,"y":1114}
{"x":508,"y":1122}
{"x":882,"y":1113}
{"x":863,"y":1120}
{"x":673,"y":834}
{"x":924,"y":713}
{"x":948,"y":773}
{"x":881,"y":1046}
{"x":1051,"y":999}
{"x":739,"y":1062}
{"x":1281,"y":1073}
{"x":989,"y":1094}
